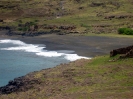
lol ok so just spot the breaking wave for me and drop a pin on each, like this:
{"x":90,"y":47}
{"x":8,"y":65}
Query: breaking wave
{"x":39,"y":50}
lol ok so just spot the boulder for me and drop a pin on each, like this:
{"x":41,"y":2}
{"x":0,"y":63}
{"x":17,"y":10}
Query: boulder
{"x":1,"y":20}
{"x":124,"y":52}
{"x":128,"y":54}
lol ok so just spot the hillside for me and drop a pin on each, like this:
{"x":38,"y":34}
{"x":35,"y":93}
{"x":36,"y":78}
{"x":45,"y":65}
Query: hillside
{"x":69,"y":16}
{"x":98,"y":78}
{"x":102,"y":77}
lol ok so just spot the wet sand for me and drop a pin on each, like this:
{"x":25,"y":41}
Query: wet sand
{"x":89,"y":46}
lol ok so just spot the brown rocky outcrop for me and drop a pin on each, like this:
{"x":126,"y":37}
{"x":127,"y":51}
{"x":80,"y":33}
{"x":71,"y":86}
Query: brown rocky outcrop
{"x":109,"y":17}
{"x":27,"y":33}
{"x":32,"y":29}
{"x":96,"y":4}
{"x":124,"y":16}
{"x":52,"y":27}
{"x":124,"y":52}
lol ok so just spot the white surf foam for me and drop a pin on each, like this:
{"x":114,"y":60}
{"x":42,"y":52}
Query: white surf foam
{"x":16,"y":42}
{"x":74,"y":57}
{"x":39,"y":50}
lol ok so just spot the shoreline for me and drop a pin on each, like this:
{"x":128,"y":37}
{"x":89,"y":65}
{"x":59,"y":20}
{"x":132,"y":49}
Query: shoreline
{"x":55,"y":43}
{"x":88,"y":46}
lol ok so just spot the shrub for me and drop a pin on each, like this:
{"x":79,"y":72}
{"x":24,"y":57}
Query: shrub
{"x":20,"y":21}
{"x":20,"y":29}
{"x":36,"y":20}
{"x":84,"y":25}
{"x":24,"y":29}
{"x":126,"y":31}
{"x":32,"y":23}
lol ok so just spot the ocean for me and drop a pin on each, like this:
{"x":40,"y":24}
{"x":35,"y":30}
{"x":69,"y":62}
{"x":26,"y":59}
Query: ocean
{"x":18,"y":59}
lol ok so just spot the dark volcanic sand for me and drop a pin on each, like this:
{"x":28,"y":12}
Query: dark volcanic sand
{"x":89,"y":46}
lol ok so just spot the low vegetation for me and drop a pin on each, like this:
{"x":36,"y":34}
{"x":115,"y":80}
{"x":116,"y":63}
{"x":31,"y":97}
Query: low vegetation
{"x":126,"y":31}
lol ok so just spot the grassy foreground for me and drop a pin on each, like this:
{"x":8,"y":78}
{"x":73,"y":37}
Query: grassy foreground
{"x":98,"y":78}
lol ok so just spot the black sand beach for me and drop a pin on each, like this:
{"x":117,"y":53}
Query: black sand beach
{"x":89,"y":46}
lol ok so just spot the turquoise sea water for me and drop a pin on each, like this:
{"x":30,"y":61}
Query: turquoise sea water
{"x":18,"y":58}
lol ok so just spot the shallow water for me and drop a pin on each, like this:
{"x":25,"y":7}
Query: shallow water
{"x":18,"y":58}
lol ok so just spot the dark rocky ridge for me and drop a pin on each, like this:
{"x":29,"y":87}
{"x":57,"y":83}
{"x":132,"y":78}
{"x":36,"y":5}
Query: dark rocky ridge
{"x":19,"y":84}
{"x":30,"y":29}
{"x":30,"y":33}
{"x":126,"y":52}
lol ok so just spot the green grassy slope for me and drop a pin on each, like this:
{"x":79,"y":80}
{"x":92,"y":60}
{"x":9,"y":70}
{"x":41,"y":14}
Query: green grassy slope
{"x":88,"y":16}
{"x":99,"y":78}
